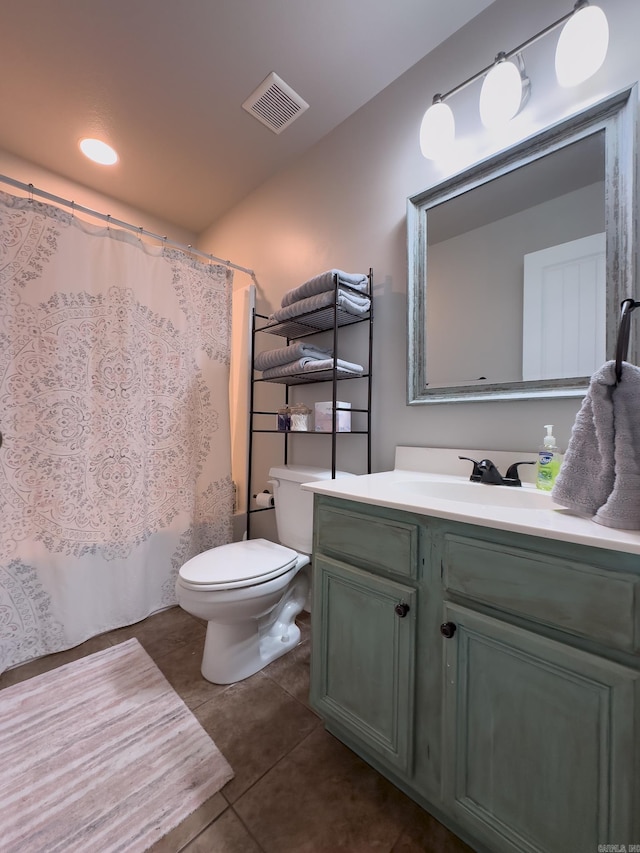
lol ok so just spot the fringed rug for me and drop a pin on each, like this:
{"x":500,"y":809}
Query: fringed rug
{"x":100,"y":755}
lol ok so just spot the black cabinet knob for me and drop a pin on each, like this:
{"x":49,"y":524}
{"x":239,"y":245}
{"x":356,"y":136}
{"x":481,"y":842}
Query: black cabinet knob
{"x":402,"y":609}
{"x":448,"y":629}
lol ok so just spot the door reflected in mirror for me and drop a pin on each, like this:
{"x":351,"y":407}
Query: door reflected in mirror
{"x":518,"y":265}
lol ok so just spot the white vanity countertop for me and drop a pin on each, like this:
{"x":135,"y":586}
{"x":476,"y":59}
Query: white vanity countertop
{"x":400,"y":489}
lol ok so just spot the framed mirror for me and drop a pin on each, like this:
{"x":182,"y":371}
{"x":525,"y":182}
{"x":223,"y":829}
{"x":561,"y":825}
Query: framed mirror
{"x":518,"y":265}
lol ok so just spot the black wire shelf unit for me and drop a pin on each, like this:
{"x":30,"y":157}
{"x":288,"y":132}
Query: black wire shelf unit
{"x":331,"y":318}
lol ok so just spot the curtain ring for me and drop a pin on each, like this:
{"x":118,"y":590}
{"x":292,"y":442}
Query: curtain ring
{"x":108,"y":221}
{"x":140,"y":230}
{"x":73,"y":209}
{"x":30,"y":193}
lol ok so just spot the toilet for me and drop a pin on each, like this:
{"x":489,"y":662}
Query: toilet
{"x":250,"y":592}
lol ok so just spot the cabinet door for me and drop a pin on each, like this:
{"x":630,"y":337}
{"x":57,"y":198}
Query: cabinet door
{"x":362,"y":669}
{"x":539,"y":740}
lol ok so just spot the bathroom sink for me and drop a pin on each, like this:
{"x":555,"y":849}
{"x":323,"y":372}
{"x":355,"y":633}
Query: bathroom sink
{"x":479,"y":493}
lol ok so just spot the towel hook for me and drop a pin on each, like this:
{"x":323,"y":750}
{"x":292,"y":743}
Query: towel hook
{"x":627,"y":306}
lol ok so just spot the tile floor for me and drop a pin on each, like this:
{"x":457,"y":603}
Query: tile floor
{"x":296,"y":788}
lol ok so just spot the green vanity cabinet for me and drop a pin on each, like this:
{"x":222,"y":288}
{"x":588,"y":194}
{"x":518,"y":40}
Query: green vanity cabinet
{"x":506,"y":701}
{"x":366,"y":660}
{"x":365,"y":617}
{"x":541,"y":691}
{"x":539,"y":737}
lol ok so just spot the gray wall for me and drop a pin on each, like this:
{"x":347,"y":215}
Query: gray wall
{"x":343,"y":204}
{"x":482,"y":272}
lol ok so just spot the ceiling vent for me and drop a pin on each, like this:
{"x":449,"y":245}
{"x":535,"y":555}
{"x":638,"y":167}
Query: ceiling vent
{"x":275,"y":104}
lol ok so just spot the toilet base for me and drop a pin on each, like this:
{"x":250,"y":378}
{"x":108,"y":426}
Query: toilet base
{"x":234,"y":651}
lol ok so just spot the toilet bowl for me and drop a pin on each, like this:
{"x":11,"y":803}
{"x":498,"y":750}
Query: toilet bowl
{"x":250,"y":594}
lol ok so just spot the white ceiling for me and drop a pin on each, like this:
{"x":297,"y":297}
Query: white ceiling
{"x":163,"y":81}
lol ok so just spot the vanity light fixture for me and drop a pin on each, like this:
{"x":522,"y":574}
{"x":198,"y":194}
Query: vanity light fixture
{"x":588,"y":26}
{"x":504,"y":92}
{"x":438,"y":129}
{"x":98,"y":151}
{"x":581,"y":50}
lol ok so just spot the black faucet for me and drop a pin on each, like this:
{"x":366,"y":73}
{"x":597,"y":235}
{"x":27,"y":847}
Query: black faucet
{"x":486,"y":472}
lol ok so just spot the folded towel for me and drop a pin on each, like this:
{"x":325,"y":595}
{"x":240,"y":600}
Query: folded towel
{"x":352,"y":303}
{"x":310,"y":365}
{"x":600,"y":474}
{"x":284,"y":355}
{"x":325,"y":281}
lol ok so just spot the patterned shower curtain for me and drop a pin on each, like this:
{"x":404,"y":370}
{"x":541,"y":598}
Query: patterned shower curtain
{"x":114,"y":411}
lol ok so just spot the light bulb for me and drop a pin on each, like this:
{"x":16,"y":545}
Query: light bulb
{"x":437,"y":131}
{"x":582,"y":46}
{"x":501,"y":94}
{"x":98,"y":151}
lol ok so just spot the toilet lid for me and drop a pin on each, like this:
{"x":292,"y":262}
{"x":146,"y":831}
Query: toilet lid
{"x":238,"y":564}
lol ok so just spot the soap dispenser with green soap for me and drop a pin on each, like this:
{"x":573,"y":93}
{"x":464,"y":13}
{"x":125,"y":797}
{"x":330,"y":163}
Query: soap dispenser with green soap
{"x":549,"y":459}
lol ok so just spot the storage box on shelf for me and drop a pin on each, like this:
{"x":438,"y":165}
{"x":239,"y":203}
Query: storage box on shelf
{"x":324,"y":416}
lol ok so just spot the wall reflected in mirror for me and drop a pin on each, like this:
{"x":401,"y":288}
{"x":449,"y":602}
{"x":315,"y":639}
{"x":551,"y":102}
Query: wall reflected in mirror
{"x":516,"y":266}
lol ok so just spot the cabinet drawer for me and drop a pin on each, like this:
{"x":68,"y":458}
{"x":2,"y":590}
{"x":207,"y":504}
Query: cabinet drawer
{"x":373,"y":543}
{"x":575,"y":597}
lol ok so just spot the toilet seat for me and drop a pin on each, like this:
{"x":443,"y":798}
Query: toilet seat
{"x":237,"y":565}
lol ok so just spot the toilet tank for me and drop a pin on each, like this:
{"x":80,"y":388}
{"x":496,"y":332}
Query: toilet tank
{"x":294,"y":506}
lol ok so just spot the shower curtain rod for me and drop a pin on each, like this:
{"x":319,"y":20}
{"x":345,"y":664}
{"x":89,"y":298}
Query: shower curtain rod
{"x":111,"y":221}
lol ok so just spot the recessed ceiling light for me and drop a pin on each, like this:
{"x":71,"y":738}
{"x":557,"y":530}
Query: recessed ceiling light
{"x":98,"y":151}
